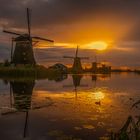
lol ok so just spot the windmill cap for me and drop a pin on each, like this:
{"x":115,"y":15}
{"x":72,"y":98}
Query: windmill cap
{"x":23,"y":37}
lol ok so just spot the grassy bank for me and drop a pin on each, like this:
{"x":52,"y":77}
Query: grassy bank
{"x":37,"y":72}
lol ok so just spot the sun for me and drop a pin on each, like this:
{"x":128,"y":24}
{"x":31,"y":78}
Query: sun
{"x":98,"y":45}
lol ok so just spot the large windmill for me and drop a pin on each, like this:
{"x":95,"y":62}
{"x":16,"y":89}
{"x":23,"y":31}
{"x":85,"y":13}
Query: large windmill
{"x":22,"y":97}
{"x":22,"y":53}
{"x":77,"y":65}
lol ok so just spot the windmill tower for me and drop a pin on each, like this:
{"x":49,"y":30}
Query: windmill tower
{"x":77,"y":65}
{"x":22,"y":53}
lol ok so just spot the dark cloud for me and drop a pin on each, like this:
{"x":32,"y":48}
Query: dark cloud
{"x":66,"y":11}
{"x":133,"y":34}
{"x":56,"y":15}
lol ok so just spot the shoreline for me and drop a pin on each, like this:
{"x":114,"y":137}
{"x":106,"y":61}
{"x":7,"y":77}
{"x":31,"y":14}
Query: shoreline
{"x":40,"y":72}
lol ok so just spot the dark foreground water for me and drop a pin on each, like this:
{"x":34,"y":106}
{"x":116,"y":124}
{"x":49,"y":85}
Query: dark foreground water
{"x":74,"y":107}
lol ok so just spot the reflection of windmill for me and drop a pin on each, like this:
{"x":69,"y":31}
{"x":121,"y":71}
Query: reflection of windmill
{"x":23,"y":51}
{"x":22,"y":94}
{"x":21,"y":100}
{"x":77,"y":66}
{"x":96,"y":77}
{"x":76,"y":83}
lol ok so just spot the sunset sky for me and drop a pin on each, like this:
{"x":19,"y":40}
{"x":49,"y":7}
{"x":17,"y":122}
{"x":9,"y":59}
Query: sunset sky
{"x":71,"y":22}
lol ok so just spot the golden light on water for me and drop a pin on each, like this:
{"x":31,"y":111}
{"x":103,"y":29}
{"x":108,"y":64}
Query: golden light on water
{"x":99,"y":95}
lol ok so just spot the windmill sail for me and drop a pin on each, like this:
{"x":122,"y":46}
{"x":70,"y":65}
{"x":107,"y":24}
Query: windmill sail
{"x":44,"y":39}
{"x":29,"y":22}
{"x":10,"y":32}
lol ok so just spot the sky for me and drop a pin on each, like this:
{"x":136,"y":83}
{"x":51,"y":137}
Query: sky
{"x":72,"y":22}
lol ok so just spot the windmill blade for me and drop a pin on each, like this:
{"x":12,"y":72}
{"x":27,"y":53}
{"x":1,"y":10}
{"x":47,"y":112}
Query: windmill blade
{"x":28,"y":21}
{"x":76,"y":55}
{"x":26,"y":125}
{"x":10,"y":32}
{"x":68,"y":57}
{"x":44,"y":39}
{"x":34,"y":43}
{"x":84,"y":57}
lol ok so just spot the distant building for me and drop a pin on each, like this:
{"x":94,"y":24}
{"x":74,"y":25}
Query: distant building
{"x":59,"y":67}
{"x":100,"y":68}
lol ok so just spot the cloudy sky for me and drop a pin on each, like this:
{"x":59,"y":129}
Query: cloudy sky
{"x":83,"y":22}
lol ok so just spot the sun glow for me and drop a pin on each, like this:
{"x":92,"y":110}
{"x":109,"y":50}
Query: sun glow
{"x":99,"y":45}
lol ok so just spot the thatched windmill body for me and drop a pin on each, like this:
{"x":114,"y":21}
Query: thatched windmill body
{"x":22,"y":53}
{"x":77,"y":65}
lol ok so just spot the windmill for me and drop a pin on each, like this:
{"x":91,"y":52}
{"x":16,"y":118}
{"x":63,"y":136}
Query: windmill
{"x":77,"y":65}
{"x":95,"y":64}
{"x":22,"y":97}
{"x":22,"y":53}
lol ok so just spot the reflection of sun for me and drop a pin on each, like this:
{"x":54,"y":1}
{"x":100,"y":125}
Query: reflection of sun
{"x":99,"y":95}
{"x":99,"y":45}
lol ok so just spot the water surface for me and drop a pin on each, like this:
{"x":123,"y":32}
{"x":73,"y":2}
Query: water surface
{"x":73,"y":107}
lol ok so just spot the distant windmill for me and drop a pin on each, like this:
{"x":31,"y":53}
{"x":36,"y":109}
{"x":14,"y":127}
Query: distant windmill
{"x":77,"y":65}
{"x":22,"y":53}
{"x":95,"y":64}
